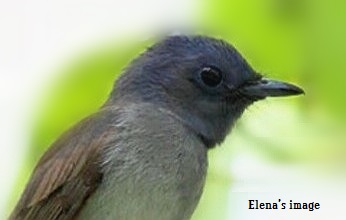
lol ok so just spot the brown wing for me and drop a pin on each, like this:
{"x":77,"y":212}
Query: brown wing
{"x":67,"y":174}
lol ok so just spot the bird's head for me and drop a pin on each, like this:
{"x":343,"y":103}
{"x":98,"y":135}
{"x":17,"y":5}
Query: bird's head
{"x":202,"y":80}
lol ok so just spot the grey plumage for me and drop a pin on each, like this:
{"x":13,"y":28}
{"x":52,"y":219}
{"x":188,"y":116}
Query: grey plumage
{"x":143,"y":155}
{"x":142,"y":182}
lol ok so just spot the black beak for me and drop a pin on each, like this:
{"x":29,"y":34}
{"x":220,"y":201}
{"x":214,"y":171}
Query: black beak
{"x":267,"y":87}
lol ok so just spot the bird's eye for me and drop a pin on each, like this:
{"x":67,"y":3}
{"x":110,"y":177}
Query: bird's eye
{"x":211,"y":76}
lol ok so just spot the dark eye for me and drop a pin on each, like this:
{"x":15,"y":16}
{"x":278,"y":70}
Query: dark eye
{"x":211,"y":76}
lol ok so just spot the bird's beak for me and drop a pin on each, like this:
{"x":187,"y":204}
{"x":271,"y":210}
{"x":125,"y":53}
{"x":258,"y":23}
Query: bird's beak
{"x":267,"y":87}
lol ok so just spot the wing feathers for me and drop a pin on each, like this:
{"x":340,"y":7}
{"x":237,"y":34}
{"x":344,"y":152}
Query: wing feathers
{"x":67,"y":174}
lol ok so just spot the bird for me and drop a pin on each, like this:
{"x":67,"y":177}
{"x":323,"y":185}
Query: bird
{"x":143,"y":153}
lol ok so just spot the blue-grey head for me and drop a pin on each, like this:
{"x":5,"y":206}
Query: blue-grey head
{"x":204,"y":81}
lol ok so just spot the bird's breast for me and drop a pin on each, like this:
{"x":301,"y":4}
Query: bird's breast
{"x":154,"y":171}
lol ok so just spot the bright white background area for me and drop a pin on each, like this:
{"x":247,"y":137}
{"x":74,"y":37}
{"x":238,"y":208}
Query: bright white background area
{"x":38,"y":35}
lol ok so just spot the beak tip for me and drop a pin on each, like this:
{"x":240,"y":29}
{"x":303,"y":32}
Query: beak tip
{"x":296,"y":90}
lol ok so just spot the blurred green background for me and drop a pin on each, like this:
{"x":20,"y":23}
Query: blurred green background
{"x":301,"y":41}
